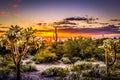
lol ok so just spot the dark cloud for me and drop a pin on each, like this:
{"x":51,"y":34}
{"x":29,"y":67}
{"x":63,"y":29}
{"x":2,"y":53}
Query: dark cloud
{"x":114,"y":19}
{"x":1,"y":31}
{"x":111,"y":29}
{"x":86,"y":19}
{"x":65,"y":22}
{"x":98,"y":23}
{"x":4,"y":27}
{"x":76,"y":18}
{"x":0,"y":24}
{"x":93,"y":22}
{"x":41,"y":24}
{"x":51,"y":30}
{"x":102,"y":30}
{"x":62,"y":27}
{"x":104,"y":23}
{"x":118,"y":23}
{"x":71,"y":22}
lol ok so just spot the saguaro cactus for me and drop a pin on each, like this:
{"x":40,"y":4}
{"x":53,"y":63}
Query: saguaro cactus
{"x":55,"y":32}
{"x":56,"y":35}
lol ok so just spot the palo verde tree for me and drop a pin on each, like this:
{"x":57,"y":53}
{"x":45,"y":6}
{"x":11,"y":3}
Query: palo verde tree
{"x":110,"y":48}
{"x":18,"y":40}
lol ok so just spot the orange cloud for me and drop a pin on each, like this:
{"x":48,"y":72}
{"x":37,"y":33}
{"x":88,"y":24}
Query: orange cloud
{"x":5,"y":13}
{"x":14,"y":5}
{"x":17,"y":14}
{"x":8,"y":13}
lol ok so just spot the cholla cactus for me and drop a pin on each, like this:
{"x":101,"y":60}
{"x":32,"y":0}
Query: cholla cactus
{"x":19,"y":41}
{"x":110,"y":48}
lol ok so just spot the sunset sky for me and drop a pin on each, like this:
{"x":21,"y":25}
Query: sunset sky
{"x":93,"y":18}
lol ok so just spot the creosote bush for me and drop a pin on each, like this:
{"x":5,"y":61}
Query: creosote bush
{"x":44,"y":56}
{"x":4,"y":74}
{"x":65,"y":60}
{"x":55,"y":72}
{"x":28,"y":68}
{"x":75,"y":59}
{"x":83,"y":65}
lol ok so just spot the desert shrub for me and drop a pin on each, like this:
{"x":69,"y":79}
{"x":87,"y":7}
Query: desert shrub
{"x":3,"y":74}
{"x":27,"y":56}
{"x":28,"y":68}
{"x":117,"y":65}
{"x":38,"y":60}
{"x":11,"y":67}
{"x":118,"y":56}
{"x":55,"y":71}
{"x":83,"y":65}
{"x":117,"y":74}
{"x":76,"y":68}
{"x":92,"y":60}
{"x":74,"y":59}
{"x":86,"y":78}
{"x":74,"y":75}
{"x":65,"y":60}
{"x":44,"y":56}
{"x":7,"y":64}
{"x":95,"y":71}
{"x":81,"y":68}
{"x":103,"y":75}
{"x":29,"y":62}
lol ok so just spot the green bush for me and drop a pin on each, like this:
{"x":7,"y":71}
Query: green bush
{"x":11,"y":67}
{"x":29,"y":62}
{"x":92,"y":60}
{"x":27,"y":56}
{"x":97,"y":72}
{"x":86,"y":78}
{"x":3,"y":74}
{"x":28,"y":68}
{"x":75,"y":59}
{"x":118,"y":56}
{"x":55,"y":71}
{"x":7,"y":64}
{"x":117,"y":74}
{"x":44,"y":56}
{"x":74,"y":76}
{"x":117,"y":65}
{"x":65,"y":60}
{"x":83,"y":65}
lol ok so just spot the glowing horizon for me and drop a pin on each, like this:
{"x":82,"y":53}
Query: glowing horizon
{"x":73,"y":17}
